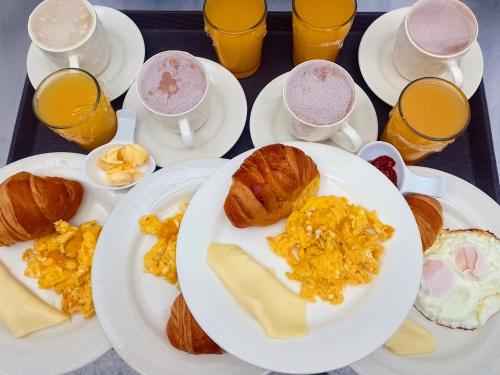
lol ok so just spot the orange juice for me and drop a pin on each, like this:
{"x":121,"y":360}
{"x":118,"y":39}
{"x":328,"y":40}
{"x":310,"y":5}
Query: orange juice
{"x":71,"y":103}
{"x":237,"y":29}
{"x":320,"y":27}
{"x":430,"y":114}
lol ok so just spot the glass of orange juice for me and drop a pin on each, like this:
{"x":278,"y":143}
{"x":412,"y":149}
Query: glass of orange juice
{"x":73,"y":104}
{"x":320,"y":27}
{"x":237,"y":29}
{"x":430,"y":114}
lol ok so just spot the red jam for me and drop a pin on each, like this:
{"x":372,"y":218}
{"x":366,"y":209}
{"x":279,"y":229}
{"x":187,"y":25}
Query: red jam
{"x":385,"y":164}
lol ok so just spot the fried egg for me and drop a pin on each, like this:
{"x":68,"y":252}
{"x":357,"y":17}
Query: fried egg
{"x":460,"y":285}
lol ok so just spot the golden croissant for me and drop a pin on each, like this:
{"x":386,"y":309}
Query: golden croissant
{"x":29,"y":205}
{"x":271,"y":183}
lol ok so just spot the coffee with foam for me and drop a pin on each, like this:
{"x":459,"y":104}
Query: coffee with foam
{"x":172,"y":83}
{"x":61,"y":24}
{"x":319,"y":93}
{"x":441,"y":27}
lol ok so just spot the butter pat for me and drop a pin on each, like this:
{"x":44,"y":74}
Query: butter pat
{"x":411,"y":339}
{"x":119,"y":164}
{"x":281,"y":313}
{"x":21,"y":311}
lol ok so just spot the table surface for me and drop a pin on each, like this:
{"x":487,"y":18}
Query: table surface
{"x":14,"y":41}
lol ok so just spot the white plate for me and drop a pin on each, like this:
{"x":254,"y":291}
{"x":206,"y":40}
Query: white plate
{"x":458,"y":352}
{"x":134,"y":306}
{"x":377,"y":66}
{"x":269,"y":121}
{"x":67,"y":347}
{"x":339,"y":335}
{"x":126,"y":51}
{"x":226,"y":121}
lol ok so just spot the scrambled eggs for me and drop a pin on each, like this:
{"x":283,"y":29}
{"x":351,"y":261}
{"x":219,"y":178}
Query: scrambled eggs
{"x":160,"y":260}
{"x":119,"y":164}
{"x":330,"y":243}
{"x":62,"y":262}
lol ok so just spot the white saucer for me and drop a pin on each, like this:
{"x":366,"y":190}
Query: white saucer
{"x":228,"y":113}
{"x":126,"y":49}
{"x":379,"y":72}
{"x":269,"y":121}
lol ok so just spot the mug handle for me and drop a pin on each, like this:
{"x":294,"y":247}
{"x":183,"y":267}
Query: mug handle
{"x":347,"y":138}
{"x":186,"y":133}
{"x":456,"y":72}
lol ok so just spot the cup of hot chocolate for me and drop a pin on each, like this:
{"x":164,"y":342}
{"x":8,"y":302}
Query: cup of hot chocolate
{"x":432,"y":39}
{"x":70,"y":34}
{"x":173,"y":87}
{"x":320,"y":97}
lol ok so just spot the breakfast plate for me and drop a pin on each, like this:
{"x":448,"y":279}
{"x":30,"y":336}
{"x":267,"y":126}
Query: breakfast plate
{"x":133,"y":306}
{"x":67,"y":347}
{"x":458,"y":351}
{"x":379,"y":72}
{"x":269,"y":120}
{"x":338,"y":335}
{"x":226,"y":121}
{"x":127,"y":53}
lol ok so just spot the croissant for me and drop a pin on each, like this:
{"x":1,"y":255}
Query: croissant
{"x":185,"y":334}
{"x":429,"y":217}
{"x":29,"y":205}
{"x":271,"y":183}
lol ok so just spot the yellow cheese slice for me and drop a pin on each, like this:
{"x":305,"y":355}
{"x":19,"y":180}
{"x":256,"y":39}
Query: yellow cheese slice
{"x":281,"y":313}
{"x":411,"y":339}
{"x":21,"y":311}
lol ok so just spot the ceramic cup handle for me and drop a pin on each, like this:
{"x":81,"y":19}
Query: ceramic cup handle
{"x":186,"y":133}
{"x":456,"y":72}
{"x":347,"y":138}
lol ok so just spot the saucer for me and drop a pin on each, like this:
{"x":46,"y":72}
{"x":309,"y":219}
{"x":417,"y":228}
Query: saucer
{"x":377,"y":66}
{"x":269,"y":120}
{"x":126,"y":50}
{"x":228,"y":112}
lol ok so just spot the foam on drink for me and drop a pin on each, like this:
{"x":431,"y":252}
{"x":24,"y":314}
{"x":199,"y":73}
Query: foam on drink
{"x":441,"y":27}
{"x":172,"y":83}
{"x":61,"y":24}
{"x":319,"y":93}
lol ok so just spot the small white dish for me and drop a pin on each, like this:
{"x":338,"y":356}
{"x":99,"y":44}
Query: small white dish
{"x":408,"y":182}
{"x":458,"y":351}
{"x":226,"y":121}
{"x":269,"y":120}
{"x":127,"y":53}
{"x":124,"y":135}
{"x":375,"y":58}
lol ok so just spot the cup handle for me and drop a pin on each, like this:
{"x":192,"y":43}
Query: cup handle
{"x":456,"y":72}
{"x":186,"y":133}
{"x":433,"y":186}
{"x":347,"y":138}
{"x":73,"y":61}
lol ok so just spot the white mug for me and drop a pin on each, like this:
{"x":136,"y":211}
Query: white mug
{"x":91,"y":53}
{"x":413,"y":62}
{"x":340,"y":132}
{"x":185,"y":123}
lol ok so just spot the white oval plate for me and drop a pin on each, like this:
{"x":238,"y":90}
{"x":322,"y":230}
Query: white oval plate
{"x":379,"y":72}
{"x":67,"y":347}
{"x":126,"y":54}
{"x":134,"y":306}
{"x":225,"y":123}
{"x":458,"y":352}
{"x":339,"y":335}
{"x":269,"y":120}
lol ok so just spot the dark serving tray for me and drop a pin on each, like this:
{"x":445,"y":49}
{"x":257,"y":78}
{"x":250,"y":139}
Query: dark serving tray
{"x":471,"y":157}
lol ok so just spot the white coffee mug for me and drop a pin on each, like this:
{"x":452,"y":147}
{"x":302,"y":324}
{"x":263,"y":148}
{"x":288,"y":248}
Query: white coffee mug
{"x":92,"y":53}
{"x":339,"y":132}
{"x":185,"y":123}
{"x":413,"y":62}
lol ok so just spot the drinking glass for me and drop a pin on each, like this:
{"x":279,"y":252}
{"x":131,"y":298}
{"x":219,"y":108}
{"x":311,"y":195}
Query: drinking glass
{"x":72,"y":103}
{"x":320,"y":27}
{"x":237,"y":29}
